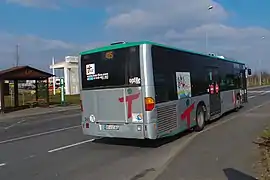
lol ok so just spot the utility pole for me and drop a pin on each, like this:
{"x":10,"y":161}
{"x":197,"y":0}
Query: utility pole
{"x":17,"y":55}
{"x":53,"y":71}
{"x":260,"y":66}
{"x":206,"y":32}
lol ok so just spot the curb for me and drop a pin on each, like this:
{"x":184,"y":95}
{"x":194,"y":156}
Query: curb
{"x":40,"y":113}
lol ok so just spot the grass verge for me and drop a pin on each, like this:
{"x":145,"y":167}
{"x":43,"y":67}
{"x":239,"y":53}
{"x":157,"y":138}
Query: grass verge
{"x":264,"y":148}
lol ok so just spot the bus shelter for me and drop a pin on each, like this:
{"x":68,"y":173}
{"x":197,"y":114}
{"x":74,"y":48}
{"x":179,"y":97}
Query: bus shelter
{"x":19,"y":74}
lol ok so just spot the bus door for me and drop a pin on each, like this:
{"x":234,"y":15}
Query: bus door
{"x":243,"y":84}
{"x":214,"y":91}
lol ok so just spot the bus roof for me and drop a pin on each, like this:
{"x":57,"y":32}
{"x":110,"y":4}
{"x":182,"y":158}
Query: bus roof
{"x":130,"y":44}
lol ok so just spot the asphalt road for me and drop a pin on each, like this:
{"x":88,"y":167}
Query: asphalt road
{"x":53,"y":147}
{"x":226,"y":152}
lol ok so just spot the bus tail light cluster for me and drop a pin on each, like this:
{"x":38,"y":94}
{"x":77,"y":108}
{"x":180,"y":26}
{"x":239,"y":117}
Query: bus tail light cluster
{"x":149,"y":103}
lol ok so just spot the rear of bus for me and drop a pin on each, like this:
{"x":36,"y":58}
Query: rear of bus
{"x":111,"y":93}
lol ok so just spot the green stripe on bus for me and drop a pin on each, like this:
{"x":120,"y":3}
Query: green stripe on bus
{"x":130,"y":44}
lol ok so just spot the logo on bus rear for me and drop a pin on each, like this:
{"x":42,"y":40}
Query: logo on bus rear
{"x":129,"y":100}
{"x":135,"y":80}
{"x":91,"y":73}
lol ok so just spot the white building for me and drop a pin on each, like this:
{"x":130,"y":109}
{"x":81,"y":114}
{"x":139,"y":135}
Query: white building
{"x":71,"y":74}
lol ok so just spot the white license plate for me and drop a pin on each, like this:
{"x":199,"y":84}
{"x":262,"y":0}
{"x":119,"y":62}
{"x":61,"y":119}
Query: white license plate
{"x":111,"y":127}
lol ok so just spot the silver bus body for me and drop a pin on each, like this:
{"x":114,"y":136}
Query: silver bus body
{"x":132,"y":112}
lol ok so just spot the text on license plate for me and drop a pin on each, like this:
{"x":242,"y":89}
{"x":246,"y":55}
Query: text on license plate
{"x":111,"y":127}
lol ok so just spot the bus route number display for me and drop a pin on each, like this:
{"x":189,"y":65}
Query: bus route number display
{"x":109,"y":55}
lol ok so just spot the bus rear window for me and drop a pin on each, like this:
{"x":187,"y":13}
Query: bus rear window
{"x":108,"y":69}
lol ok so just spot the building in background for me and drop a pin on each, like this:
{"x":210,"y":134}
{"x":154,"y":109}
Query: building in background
{"x":71,"y":77}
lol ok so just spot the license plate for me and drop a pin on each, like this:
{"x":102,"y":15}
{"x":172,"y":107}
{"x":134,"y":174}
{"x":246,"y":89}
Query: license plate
{"x":111,"y":127}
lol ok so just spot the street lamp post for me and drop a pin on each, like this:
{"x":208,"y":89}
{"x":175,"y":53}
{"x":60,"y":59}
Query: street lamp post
{"x":260,"y":65}
{"x":206,"y":33}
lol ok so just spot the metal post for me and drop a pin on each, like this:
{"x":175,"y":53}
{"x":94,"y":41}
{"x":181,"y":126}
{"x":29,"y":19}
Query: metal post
{"x":206,"y":41}
{"x":260,"y":64}
{"x":260,"y":78}
{"x":62,"y":86}
{"x":206,"y":32}
{"x":260,"y":73}
{"x":53,"y":71}
{"x":23,"y":98}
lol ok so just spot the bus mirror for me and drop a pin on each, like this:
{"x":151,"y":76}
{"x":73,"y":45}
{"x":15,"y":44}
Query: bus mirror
{"x":249,"y":72}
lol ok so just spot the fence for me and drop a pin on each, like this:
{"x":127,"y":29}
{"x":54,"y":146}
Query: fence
{"x":255,"y":81}
{"x":27,"y":97}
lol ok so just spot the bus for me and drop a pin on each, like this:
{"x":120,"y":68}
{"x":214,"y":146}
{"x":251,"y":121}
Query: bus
{"x":146,"y":90}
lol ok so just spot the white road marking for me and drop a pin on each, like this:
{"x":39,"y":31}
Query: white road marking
{"x":258,"y":91}
{"x":66,"y":116}
{"x":2,"y":164}
{"x":250,"y":97}
{"x":69,"y":146}
{"x":19,"y":122}
{"x":184,"y":144}
{"x":49,"y":119}
{"x":233,"y":117}
{"x":264,"y":93}
{"x":38,"y":134}
{"x":31,"y":156}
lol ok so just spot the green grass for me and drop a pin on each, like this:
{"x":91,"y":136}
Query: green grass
{"x":264,"y":162}
{"x":70,"y":99}
{"x":266,"y":134}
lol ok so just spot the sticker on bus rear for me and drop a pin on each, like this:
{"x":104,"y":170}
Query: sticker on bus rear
{"x":100,"y":76}
{"x":137,"y":117}
{"x":90,"y":69}
{"x":135,"y":80}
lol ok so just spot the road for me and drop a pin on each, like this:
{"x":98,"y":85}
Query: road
{"x":225,"y":152}
{"x":53,"y":147}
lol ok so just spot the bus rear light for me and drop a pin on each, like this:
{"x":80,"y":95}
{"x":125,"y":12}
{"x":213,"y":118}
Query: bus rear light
{"x":81,"y":105}
{"x":87,"y":125}
{"x":149,"y":103}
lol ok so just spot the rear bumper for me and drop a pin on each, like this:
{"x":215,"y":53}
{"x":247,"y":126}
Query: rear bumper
{"x":125,"y":131}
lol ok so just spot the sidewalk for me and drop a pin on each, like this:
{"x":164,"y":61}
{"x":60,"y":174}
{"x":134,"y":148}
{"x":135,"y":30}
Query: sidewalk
{"x":37,"y":111}
{"x":226,"y":152}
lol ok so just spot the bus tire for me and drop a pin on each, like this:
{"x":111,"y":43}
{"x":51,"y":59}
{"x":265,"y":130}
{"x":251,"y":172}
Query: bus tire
{"x":200,"y":119}
{"x":238,"y":103}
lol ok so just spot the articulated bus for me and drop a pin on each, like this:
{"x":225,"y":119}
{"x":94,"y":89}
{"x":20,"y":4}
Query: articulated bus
{"x":145,"y":90}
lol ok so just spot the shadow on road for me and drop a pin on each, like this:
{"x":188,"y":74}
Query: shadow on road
{"x":141,"y":143}
{"x":150,"y":143}
{"x":233,"y":174}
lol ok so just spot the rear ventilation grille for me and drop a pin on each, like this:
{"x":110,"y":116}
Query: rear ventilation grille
{"x":166,"y":118}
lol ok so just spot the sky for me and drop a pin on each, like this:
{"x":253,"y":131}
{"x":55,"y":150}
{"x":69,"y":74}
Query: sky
{"x":43,"y":29}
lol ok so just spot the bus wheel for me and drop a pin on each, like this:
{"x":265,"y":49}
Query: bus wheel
{"x":200,"y":119}
{"x":237,"y":103}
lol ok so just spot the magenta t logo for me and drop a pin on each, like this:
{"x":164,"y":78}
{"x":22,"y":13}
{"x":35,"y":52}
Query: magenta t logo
{"x":129,"y":100}
{"x":186,"y":115}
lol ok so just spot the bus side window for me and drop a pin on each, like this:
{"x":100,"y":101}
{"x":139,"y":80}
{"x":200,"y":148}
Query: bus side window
{"x":162,"y":94}
{"x":164,"y":87}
